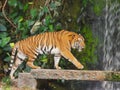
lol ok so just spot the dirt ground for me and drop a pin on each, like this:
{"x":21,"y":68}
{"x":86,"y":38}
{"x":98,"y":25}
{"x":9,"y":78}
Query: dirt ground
{"x":4,"y":87}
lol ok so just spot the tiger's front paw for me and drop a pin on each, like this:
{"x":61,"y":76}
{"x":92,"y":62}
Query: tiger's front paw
{"x":80,"y":66}
{"x":57,"y":67}
{"x":38,"y":68}
{"x":12,"y":77}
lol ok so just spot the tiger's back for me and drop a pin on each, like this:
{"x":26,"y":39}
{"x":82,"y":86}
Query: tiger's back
{"x":41,"y":43}
{"x":57,"y":43}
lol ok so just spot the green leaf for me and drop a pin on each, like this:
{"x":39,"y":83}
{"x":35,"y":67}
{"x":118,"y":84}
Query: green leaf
{"x":2,"y":35}
{"x":4,"y":41}
{"x":84,"y":2}
{"x":45,"y":9}
{"x":20,"y":5}
{"x":41,"y":13}
{"x":47,"y":20}
{"x":29,"y":22}
{"x":7,"y":59}
{"x":7,"y":81}
{"x":14,"y":15}
{"x":45,"y":28}
{"x":12,"y":45}
{"x":45,"y":60}
{"x":53,"y":6}
{"x":30,"y":3}
{"x":97,"y":9}
{"x":7,"y":48}
{"x":58,"y":26}
{"x":12,"y":3}
{"x":27,"y":69}
{"x":17,"y":19}
{"x":25,"y":7}
{"x":2,"y":28}
{"x":21,"y":19}
{"x":33,"y":13}
{"x":51,"y":28}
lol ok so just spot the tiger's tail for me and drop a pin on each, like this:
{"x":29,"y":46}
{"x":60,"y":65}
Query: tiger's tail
{"x":13,"y":57}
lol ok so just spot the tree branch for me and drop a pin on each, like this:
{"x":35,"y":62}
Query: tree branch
{"x":3,"y":12}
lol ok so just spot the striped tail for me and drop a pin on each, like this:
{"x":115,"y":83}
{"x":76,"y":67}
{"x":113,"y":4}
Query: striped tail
{"x":13,"y":57}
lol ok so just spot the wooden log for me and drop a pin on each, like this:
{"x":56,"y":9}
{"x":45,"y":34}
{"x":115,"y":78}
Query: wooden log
{"x":29,"y":80}
{"x":73,"y":74}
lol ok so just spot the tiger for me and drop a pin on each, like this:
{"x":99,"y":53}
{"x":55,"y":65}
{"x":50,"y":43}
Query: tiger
{"x":58,"y":43}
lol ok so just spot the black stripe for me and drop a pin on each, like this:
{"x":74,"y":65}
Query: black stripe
{"x":42,"y":50}
{"x":16,"y":51}
{"x":33,"y":51}
{"x":51,"y":49}
{"x":20,"y":58}
{"x":45,"y":49}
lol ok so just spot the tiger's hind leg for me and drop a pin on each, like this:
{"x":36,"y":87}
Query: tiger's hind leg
{"x":56,"y":61}
{"x":30,"y":64}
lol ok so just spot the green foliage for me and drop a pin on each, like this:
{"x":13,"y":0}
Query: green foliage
{"x":98,"y":6}
{"x":116,"y":77}
{"x":2,"y":28}
{"x":86,"y":2}
{"x":6,"y":80}
{"x":88,"y":56}
{"x":46,"y":15}
{"x":113,"y":77}
{"x":6,"y":83}
{"x":4,"y":41}
{"x":22,"y":18}
{"x":4,"y":46}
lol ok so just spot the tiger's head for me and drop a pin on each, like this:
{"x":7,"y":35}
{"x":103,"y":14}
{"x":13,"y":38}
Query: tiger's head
{"x":78,"y":42}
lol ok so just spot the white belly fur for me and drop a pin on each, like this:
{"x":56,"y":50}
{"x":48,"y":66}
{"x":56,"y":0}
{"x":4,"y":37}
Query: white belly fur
{"x":48,"y":50}
{"x":21,"y":55}
{"x":55,"y":51}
